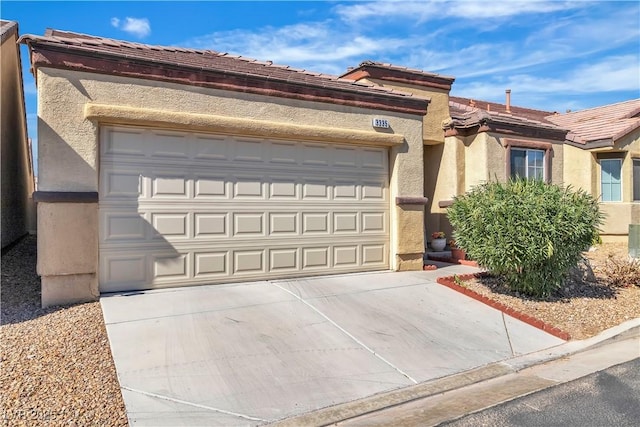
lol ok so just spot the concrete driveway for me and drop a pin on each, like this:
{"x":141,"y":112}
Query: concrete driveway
{"x":254,"y":353}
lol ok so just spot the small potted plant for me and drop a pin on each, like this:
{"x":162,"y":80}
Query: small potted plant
{"x":456,"y":252}
{"x":438,"y":241}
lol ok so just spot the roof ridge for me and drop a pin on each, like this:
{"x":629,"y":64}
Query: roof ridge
{"x":402,"y":68}
{"x":63,"y":34}
{"x":601,"y":107}
{"x":481,"y":101}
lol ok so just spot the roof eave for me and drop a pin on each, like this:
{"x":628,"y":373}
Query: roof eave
{"x":54,"y":55}
{"x":371,"y":71}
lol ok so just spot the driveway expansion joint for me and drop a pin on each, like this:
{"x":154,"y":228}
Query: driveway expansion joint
{"x":347,"y":333}
{"x":196,"y":405}
{"x":450,"y":282}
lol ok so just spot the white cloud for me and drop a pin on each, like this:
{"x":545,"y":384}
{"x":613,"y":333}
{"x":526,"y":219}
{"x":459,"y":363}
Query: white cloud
{"x":435,"y":9}
{"x":138,"y":27}
{"x":610,"y":74}
{"x":317,"y":46}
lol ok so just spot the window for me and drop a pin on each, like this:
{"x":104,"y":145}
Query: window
{"x":610,"y":180}
{"x":636,"y":180}
{"x":527,"y":163}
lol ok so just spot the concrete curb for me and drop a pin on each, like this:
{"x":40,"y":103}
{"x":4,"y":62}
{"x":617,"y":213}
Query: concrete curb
{"x":451,"y":282}
{"x":395,"y":398}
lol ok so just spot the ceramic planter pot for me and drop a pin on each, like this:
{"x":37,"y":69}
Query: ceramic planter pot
{"x":458,"y":253}
{"x":438,"y":244}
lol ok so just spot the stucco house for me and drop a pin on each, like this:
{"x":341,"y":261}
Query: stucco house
{"x":163,"y":166}
{"x":17,"y":172}
{"x":468,"y":142}
{"x":602,"y":156}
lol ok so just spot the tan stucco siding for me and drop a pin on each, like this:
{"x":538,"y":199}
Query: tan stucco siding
{"x":476,"y":167}
{"x":579,"y":168}
{"x":443,"y":179}
{"x":69,"y":139}
{"x":64,"y":94}
{"x":462,"y":163}
{"x":582,"y":170}
{"x":17,"y":176}
{"x":437,"y":111}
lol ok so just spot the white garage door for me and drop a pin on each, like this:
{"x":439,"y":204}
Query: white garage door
{"x":185,"y":208}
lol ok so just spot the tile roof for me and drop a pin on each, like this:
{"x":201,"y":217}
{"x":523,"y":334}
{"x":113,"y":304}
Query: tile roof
{"x":467,"y":113}
{"x":7,"y":28}
{"x":207,"y":61}
{"x":397,"y":74}
{"x":404,"y":69}
{"x":606,"y":123}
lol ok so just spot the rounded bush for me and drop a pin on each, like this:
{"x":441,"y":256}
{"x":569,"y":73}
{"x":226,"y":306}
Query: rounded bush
{"x":527,"y":231}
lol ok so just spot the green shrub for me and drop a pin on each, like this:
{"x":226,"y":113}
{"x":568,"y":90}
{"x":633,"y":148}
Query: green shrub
{"x":529,"y":232}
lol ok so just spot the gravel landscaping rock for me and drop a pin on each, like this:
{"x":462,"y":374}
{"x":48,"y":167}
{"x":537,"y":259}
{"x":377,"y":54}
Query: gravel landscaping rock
{"x":584,"y":306}
{"x":56,"y":366}
{"x":55,"y":363}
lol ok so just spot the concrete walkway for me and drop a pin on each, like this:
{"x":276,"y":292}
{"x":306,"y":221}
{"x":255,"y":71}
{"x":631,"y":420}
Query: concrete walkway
{"x":255,"y":353}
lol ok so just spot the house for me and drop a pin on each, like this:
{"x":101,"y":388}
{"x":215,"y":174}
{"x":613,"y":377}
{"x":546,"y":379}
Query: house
{"x":602,"y":156}
{"x":469,"y":142}
{"x":163,"y":166}
{"x":17,"y":172}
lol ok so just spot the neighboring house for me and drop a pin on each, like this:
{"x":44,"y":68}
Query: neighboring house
{"x":602,"y":156}
{"x":163,"y":166}
{"x":17,"y":173}
{"x":468,"y":142}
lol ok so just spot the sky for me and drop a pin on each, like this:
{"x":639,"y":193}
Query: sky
{"x":553,"y":55}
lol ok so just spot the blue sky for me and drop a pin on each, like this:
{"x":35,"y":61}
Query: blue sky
{"x":553,"y":55}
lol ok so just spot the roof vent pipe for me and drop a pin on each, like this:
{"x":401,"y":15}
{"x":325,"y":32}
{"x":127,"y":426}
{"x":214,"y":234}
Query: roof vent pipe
{"x":508,"y":93}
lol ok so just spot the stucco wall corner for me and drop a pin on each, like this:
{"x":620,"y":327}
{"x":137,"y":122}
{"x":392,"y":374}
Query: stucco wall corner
{"x":69,"y":289}
{"x":410,"y":229}
{"x":67,"y":239}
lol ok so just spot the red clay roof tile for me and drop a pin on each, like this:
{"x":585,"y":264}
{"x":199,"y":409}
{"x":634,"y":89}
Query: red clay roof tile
{"x":609,"y":122}
{"x":204,"y":60}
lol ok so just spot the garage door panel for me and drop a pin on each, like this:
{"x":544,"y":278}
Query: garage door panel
{"x":316,"y":189}
{"x":283,"y":223}
{"x":345,"y":190}
{"x":227,"y":208}
{"x":124,"y":143}
{"x":248,"y":150}
{"x":283,"y":153}
{"x":121,"y":184}
{"x":283,"y":259}
{"x":373,"y":254}
{"x":171,"y":225}
{"x":315,"y":258}
{"x":211,"y":225}
{"x":345,"y":157}
{"x":374,"y":159}
{"x":168,"y":186}
{"x":211,"y":187}
{"x":210,"y":148}
{"x":170,"y":266}
{"x":123,"y":226}
{"x":345,"y":256}
{"x":248,"y":224}
{"x":169,"y":146}
{"x":248,"y":261}
{"x":249,"y":187}
{"x":128,"y":269}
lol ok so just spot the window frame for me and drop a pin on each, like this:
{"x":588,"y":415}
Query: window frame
{"x":635,"y":189}
{"x":620,"y":163}
{"x":526,"y":161}
{"x":545,"y":147}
